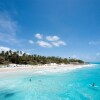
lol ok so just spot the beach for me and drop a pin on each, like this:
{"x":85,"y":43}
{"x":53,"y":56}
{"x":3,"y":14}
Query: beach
{"x":42,"y":68}
{"x":29,"y":70}
{"x":50,"y":82}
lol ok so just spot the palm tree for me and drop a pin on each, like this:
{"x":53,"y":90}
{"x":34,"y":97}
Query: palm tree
{"x":2,"y":59}
{"x":2,"y":53}
{"x":10,"y":52}
{"x":13,"y":57}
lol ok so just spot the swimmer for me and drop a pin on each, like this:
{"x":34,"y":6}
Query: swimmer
{"x":93,"y":84}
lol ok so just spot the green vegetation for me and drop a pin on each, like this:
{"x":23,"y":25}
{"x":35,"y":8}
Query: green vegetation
{"x":20,"y":58}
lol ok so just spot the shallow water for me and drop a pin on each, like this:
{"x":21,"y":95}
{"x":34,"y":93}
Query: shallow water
{"x":73,"y":85}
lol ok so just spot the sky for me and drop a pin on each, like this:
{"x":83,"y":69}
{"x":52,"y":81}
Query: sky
{"x":65,"y":28}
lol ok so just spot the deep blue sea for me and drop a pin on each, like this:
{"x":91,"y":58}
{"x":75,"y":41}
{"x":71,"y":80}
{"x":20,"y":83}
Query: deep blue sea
{"x":73,"y":85}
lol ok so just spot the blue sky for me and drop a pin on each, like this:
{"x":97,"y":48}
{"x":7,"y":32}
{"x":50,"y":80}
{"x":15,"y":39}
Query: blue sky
{"x":66,"y":28}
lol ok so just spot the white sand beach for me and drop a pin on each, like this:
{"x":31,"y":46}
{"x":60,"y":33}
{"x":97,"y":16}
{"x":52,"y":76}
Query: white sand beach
{"x":42,"y":68}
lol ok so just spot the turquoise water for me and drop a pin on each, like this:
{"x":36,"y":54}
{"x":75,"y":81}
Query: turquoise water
{"x":73,"y":85}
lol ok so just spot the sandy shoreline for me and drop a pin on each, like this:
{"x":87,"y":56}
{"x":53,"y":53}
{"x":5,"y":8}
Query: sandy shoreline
{"x":28,"y":71}
{"x":44,"y":68}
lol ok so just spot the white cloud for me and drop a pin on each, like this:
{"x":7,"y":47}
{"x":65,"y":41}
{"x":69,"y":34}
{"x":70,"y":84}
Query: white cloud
{"x":31,"y":41}
{"x":94,"y":43}
{"x":4,"y":49}
{"x":52,"y":38}
{"x":8,"y":38}
{"x":38,"y":36}
{"x":53,"y":41}
{"x":8,"y":28}
{"x":7,"y":25}
{"x":44,"y":44}
{"x":59,"y":43}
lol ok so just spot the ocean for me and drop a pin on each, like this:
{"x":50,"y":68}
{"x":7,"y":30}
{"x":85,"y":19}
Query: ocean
{"x":71,"y":85}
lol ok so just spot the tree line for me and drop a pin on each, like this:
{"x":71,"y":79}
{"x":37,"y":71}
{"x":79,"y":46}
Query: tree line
{"x":19,"y":57}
